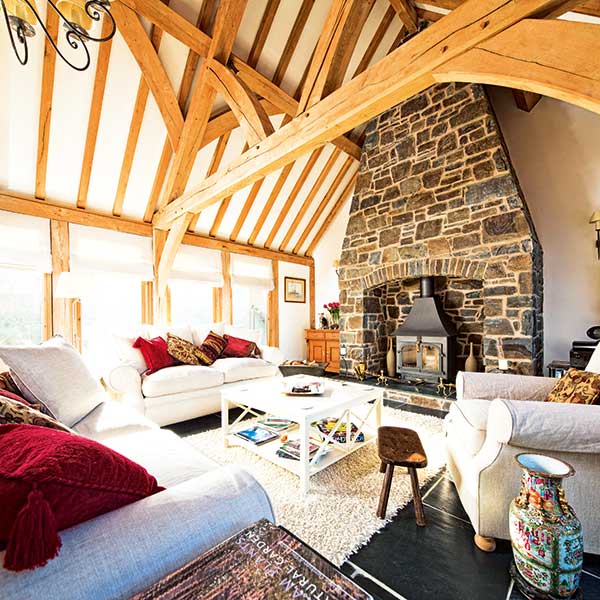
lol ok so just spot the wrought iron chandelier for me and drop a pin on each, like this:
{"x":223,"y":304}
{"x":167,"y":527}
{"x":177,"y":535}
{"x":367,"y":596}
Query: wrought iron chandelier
{"x":77,"y":16}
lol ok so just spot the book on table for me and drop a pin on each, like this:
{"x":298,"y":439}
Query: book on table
{"x":276,"y":424}
{"x":257,"y":435}
{"x":326,"y":426}
{"x":291,"y":449}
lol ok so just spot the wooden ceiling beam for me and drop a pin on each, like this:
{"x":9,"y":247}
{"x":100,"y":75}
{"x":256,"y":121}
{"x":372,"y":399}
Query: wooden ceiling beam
{"x":351,"y":32}
{"x":324,"y":54}
{"x":213,"y":167}
{"x":94,"y":116}
{"x":153,"y":71}
{"x":46,"y":106}
{"x":569,"y":71}
{"x":292,"y":40}
{"x":333,"y":213}
{"x":376,"y":40}
{"x":263,"y":31}
{"x":333,"y":188}
{"x":227,"y":21}
{"x":407,"y":13}
{"x":314,"y":190}
{"x":584,"y":7}
{"x":396,"y":77}
{"x":252,"y":195}
{"x":204,"y":22}
{"x":48,"y":210}
{"x":249,"y":112}
{"x":135,"y":127}
{"x":169,"y":252}
{"x":283,"y":213}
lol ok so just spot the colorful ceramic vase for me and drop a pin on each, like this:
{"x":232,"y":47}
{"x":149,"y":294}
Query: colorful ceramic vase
{"x":545,"y":533}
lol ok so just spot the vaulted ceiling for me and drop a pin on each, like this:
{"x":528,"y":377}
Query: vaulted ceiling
{"x":99,"y":140}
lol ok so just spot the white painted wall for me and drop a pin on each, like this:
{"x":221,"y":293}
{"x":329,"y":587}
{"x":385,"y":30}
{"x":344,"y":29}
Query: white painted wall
{"x":327,"y":251}
{"x":293,"y":318}
{"x":555,"y":152}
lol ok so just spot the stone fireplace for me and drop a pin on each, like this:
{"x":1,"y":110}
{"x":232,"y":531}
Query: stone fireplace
{"x":436,"y":196}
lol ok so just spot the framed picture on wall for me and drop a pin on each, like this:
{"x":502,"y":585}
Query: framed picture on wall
{"x":295,"y":290}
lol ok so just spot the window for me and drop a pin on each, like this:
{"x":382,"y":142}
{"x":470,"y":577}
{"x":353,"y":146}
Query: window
{"x":21,"y":306}
{"x":191,"y":302}
{"x":110,"y":303}
{"x":249,"y":306}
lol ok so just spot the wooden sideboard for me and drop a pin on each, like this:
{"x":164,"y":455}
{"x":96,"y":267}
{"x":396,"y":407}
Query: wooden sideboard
{"x":324,"y":346}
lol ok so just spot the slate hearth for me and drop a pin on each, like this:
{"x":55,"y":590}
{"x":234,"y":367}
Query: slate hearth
{"x":436,"y":195}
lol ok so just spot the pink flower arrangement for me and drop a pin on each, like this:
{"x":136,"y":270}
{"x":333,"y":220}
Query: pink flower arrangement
{"x":333,"y":308}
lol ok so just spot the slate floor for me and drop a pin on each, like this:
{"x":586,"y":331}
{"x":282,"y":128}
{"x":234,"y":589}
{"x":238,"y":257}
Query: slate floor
{"x":438,"y":561}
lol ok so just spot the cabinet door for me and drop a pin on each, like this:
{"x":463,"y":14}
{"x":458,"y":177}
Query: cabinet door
{"x":332,"y":351}
{"x":317,"y":351}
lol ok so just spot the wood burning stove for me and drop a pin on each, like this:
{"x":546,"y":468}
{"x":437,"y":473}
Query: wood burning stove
{"x":426,"y":341}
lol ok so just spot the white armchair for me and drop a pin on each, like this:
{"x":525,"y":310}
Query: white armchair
{"x":497,"y":416}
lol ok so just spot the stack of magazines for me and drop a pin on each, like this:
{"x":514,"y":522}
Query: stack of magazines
{"x":326,"y":426}
{"x":291,"y":449}
{"x":276,"y":425}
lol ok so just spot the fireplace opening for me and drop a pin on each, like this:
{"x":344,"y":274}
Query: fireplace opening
{"x":426,"y":340}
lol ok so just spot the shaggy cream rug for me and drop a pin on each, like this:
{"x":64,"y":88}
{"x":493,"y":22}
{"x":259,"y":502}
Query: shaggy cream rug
{"x":338,"y":515}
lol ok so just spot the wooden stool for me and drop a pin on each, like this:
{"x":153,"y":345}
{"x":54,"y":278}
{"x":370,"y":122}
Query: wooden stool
{"x":400,"y":447}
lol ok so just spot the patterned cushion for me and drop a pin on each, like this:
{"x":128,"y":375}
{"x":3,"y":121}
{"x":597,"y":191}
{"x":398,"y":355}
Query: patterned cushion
{"x":182,"y":350}
{"x":8,"y":387}
{"x":211,"y":348}
{"x":576,"y":387}
{"x":12,"y":411}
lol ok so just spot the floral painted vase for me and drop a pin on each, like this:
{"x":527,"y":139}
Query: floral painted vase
{"x":545,"y":533}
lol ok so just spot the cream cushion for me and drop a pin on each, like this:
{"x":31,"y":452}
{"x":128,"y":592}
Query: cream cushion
{"x":54,"y":373}
{"x":238,"y":369}
{"x":126,"y":353}
{"x":182,"y":378}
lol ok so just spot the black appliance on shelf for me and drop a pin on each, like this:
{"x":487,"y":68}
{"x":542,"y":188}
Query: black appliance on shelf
{"x":581,"y":352}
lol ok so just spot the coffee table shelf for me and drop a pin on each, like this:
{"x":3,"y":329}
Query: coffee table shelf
{"x":347,"y":402}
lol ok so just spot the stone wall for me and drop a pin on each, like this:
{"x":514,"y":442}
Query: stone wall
{"x":436,"y":195}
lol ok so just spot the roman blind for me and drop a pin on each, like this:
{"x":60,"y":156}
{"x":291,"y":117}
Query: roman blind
{"x":105,"y":250}
{"x":202,"y":265}
{"x":252,"y":271}
{"x":25,"y":242}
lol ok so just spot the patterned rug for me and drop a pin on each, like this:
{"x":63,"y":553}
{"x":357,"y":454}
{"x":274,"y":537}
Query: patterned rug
{"x":338,"y":515}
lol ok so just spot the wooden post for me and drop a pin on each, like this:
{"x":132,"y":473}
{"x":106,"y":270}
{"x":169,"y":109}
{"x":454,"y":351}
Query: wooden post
{"x":273,"y":309}
{"x":147,"y":303}
{"x":47,"y":307}
{"x":226,"y":297}
{"x":159,"y":301}
{"x":64,"y":317}
{"x":311,"y":292}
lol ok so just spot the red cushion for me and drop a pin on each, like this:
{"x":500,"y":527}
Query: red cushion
{"x":51,"y":480}
{"x":238,"y":348}
{"x":155,"y":353}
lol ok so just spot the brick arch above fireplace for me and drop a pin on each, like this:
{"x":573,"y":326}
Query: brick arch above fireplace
{"x":447,"y":267}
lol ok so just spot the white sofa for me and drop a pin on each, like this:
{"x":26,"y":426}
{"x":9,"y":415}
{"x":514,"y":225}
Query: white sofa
{"x":497,"y":416}
{"x":124,"y":551}
{"x":183,"y":392}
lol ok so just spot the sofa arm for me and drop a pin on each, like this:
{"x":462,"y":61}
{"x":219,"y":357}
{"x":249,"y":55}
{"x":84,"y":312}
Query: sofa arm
{"x":272,"y":354}
{"x":125,"y":383}
{"x":124,"y":551}
{"x":489,"y":386}
{"x":548,"y":426}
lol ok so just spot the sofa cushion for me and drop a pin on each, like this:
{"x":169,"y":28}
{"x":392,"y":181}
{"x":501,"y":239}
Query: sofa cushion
{"x":182,"y":350}
{"x":54,"y":374}
{"x":239,"y":348}
{"x":211,"y":348}
{"x":182,"y":378}
{"x":155,"y":353}
{"x":112,"y":418}
{"x":14,"y":411}
{"x":238,"y":369}
{"x":576,"y":387}
{"x":469,"y":418}
{"x":163,"y":453}
{"x":51,"y":480}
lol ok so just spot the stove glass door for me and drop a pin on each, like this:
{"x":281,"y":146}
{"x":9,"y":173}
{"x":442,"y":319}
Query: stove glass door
{"x":409,"y":356}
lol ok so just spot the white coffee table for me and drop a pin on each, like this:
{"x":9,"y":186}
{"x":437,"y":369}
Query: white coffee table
{"x":348,"y":402}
